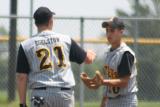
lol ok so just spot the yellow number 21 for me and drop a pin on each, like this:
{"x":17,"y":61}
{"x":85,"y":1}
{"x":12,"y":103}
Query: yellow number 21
{"x":44,"y":55}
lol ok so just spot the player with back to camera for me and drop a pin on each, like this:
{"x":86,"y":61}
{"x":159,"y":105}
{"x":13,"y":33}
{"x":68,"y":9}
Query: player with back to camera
{"x":43,"y":63}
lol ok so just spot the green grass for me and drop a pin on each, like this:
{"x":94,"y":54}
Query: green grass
{"x":89,"y":104}
{"x":4,"y":103}
{"x":141,"y":104}
{"x":149,"y":104}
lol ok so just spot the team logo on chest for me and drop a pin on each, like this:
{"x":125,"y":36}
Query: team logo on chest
{"x":112,"y":75}
{"x":110,"y":72}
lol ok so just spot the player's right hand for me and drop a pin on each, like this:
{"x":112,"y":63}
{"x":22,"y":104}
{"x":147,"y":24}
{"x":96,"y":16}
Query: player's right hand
{"x":90,"y":56}
{"x":22,"y":105}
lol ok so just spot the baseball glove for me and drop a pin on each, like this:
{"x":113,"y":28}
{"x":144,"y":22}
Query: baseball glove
{"x":92,"y":83}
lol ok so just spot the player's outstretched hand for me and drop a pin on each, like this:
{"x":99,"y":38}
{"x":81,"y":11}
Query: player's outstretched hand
{"x":90,"y":56}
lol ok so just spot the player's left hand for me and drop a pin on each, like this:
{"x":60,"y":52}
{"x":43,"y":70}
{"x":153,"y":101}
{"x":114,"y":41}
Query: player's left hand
{"x":92,"y":83}
{"x":22,"y":105}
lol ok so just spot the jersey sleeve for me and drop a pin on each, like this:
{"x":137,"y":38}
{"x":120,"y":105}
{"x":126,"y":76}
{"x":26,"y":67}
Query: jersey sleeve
{"x":77,"y":54}
{"x":126,"y":63}
{"x":22,"y":62}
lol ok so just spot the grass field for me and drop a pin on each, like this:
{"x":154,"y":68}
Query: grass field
{"x":141,"y":104}
{"x":89,"y":104}
{"x":4,"y":103}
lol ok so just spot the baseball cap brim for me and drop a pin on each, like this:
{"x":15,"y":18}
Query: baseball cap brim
{"x":105,"y":24}
{"x":113,"y":22}
{"x":53,"y":13}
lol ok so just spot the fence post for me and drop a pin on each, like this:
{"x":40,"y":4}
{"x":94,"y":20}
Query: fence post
{"x":136,"y":28}
{"x":31,"y":21}
{"x":12,"y":52}
{"x":136,"y":38}
{"x":82,"y":65}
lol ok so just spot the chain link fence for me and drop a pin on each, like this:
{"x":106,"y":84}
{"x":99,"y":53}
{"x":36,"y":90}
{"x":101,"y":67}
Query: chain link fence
{"x":147,"y":53}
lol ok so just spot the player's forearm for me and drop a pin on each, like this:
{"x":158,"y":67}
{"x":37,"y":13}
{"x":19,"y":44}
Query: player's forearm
{"x":22,"y":87}
{"x":122,"y":82}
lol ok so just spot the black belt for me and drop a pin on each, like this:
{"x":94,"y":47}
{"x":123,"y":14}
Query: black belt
{"x":115,"y":97}
{"x":119,"y":96}
{"x":44,"y":88}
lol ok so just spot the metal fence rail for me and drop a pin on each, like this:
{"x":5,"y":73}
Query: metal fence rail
{"x":142,"y":35}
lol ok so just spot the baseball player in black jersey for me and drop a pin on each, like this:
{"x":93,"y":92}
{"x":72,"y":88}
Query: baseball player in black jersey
{"x":44,"y":64}
{"x":120,"y":68}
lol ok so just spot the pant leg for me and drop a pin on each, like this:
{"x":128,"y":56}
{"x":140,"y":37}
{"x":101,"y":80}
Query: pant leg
{"x":52,"y":97}
{"x":67,"y":98}
{"x":39,"y":93}
{"x":55,"y":97}
{"x":123,"y":101}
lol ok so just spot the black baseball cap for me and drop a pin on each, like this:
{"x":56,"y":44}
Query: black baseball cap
{"x":42,"y":15}
{"x":113,"y":22}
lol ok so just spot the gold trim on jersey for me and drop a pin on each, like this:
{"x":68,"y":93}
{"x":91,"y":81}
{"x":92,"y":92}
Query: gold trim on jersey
{"x":112,"y":75}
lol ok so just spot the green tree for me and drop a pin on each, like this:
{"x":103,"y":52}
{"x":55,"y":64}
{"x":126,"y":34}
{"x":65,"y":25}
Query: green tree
{"x":3,"y":31}
{"x":148,"y":57}
{"x":147,"y":9}
{"x":3,"y":61}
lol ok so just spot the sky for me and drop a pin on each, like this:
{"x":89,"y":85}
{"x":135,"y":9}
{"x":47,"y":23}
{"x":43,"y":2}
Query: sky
{"x":66,"y":8}
{"x":78,"y":8}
